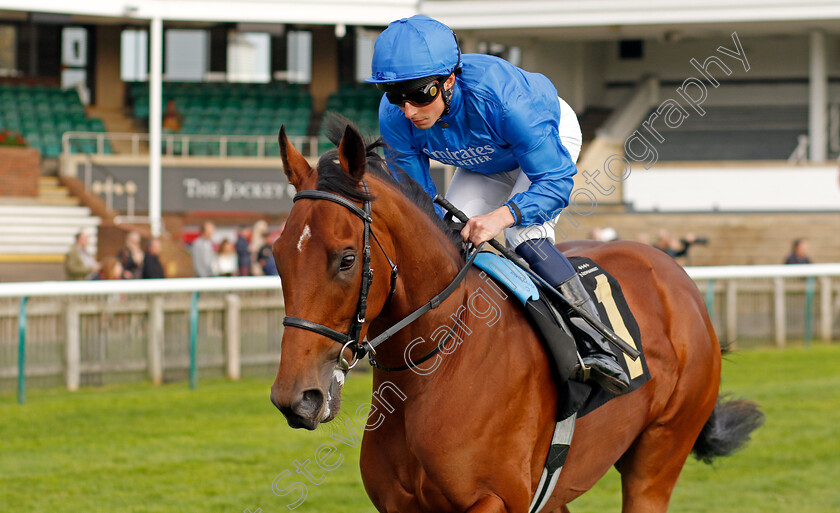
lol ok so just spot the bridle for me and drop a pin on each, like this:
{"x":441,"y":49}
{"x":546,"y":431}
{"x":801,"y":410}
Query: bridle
{"x":351,"y":339}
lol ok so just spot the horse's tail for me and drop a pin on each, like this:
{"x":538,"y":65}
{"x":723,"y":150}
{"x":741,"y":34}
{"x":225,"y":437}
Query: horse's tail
{"x":728,"y":429}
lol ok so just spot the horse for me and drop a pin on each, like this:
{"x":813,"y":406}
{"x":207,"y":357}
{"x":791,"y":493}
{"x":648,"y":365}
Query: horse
{"x":470,"y":433}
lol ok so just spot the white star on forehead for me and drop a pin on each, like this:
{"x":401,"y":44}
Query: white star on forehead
{"x":305,"y":236}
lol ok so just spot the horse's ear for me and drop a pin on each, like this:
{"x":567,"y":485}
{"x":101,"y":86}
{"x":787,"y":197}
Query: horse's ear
{"x":352,"y":153}
{"x":296,"y":167}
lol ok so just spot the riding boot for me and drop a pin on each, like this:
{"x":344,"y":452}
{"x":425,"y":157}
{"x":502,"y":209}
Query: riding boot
{"x":599,"y":359}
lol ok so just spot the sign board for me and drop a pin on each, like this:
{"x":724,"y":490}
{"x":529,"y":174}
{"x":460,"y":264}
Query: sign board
{"x":206,"y":188}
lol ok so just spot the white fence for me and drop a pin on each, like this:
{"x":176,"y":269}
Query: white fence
{"x":90,"y":333}
{"x":772,"y":302}
{"x":100,"y":332}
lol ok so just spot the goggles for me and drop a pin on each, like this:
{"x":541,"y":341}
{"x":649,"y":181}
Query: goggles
{"x":419,"y":97}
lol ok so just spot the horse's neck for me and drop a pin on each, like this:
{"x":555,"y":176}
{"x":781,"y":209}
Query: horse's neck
{"x":427,"y":263}
{"x":426,"y":259}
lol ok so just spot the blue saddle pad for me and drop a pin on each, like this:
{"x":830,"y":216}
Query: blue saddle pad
{"x":509,"y":274}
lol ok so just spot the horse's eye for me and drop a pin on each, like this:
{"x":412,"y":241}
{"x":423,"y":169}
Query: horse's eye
{"x":347,"y":262}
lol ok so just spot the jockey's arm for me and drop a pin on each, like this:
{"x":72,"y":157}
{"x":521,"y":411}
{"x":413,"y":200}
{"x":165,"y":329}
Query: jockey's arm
{"x":544,"y":160}
{"x":547,"y":164}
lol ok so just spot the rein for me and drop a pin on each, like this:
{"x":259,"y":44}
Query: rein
{"x":350,"y":340}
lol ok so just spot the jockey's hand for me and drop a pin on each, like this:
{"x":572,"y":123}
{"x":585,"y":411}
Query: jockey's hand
{"x":483,"y":228}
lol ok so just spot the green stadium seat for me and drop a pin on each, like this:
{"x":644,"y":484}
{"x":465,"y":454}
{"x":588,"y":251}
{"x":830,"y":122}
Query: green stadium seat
{"x":51,"y":150}
{"x":272,"y":149}
{"x":96,"y":125}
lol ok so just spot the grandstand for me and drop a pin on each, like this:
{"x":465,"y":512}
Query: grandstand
{"x":230,"y":109}
{"x":75,"y":84}
{"x":761,"y":132}
{"x":42,"y":114}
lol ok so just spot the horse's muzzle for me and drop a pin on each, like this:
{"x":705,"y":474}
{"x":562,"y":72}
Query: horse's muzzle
{"x":305,"y":410}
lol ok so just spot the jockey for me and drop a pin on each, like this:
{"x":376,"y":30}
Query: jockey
{"x":513,"y":142}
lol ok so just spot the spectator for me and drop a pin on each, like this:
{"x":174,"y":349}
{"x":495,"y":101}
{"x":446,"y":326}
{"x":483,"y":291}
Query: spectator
{"x":111,"y":269}
{"x":78,"y":263}
{"x":172,"y":118}
{"x":265,"y":256}
{"x":227,"y":260}
{"x":607,"y":234}
{"x":672,"y":246}
{"x":131,"y":256}
{"x":203,"y":254}
{"x":243,"y":253}
{"x":676,"y":248}
{"x":152,"y":267}
{"x":257,"y":243}
{"x":798,"y":253}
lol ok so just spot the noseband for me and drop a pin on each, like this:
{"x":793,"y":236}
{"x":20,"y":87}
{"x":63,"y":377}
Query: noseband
{"x":350,"y":340}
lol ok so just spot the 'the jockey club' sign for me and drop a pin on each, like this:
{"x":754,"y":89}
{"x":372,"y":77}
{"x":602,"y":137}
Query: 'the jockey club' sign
{"x":189,"y":188}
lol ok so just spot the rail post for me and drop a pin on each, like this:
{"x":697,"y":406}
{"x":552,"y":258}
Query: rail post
{"x":72,"y":340}
{"x":825,"y":308}
{"x":779,"y":311}
{"x":809,"y":302}
{"x":233,"y":345}
{"x":731,"y":311}
{"x":193,"y":337}
{"x":710,"y":297}
{"x":155,"y":349}
{"x":21,"y":384}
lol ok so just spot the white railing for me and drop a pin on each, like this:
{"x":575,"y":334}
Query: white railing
{"x":83,"y":332}
{"x":110,"y":287}
{"x":78,"y":333}
{"x":725,"y":288}
{"x":180,"y":145}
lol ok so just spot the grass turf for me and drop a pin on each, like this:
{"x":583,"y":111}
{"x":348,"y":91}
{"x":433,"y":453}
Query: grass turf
{"x":139,"y":448}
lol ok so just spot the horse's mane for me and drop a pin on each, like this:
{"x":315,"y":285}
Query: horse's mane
{"x":333,"y":179}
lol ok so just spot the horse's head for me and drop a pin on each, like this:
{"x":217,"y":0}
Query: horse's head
{"x":321,"y":259}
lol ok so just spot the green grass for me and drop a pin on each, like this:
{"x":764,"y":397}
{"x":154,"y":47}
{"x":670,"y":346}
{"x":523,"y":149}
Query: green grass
{"x":139,"y":448}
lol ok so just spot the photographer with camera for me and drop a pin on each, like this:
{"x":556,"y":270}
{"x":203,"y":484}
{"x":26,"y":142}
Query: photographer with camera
{"x":676,"y":248}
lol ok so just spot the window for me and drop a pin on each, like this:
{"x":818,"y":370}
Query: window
{"x":8,"y":46}
{"x":299,"y":57}
{"x":186,"y":57}
{"x":248,"y":57}
{"x":364,"y":52}
{"x":631,"y":49}
{"x":74,"y":58}
{"x":134,"y":56}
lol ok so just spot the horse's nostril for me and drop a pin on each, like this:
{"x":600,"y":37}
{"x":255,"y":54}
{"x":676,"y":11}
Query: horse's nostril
{"x":309,"y":404}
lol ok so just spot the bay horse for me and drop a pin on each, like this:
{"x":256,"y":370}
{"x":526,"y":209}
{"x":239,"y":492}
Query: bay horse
{"x":472,"y":436}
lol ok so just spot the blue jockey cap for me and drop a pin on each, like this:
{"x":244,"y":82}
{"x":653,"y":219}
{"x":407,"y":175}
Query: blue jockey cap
{"x":414,"y":48}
